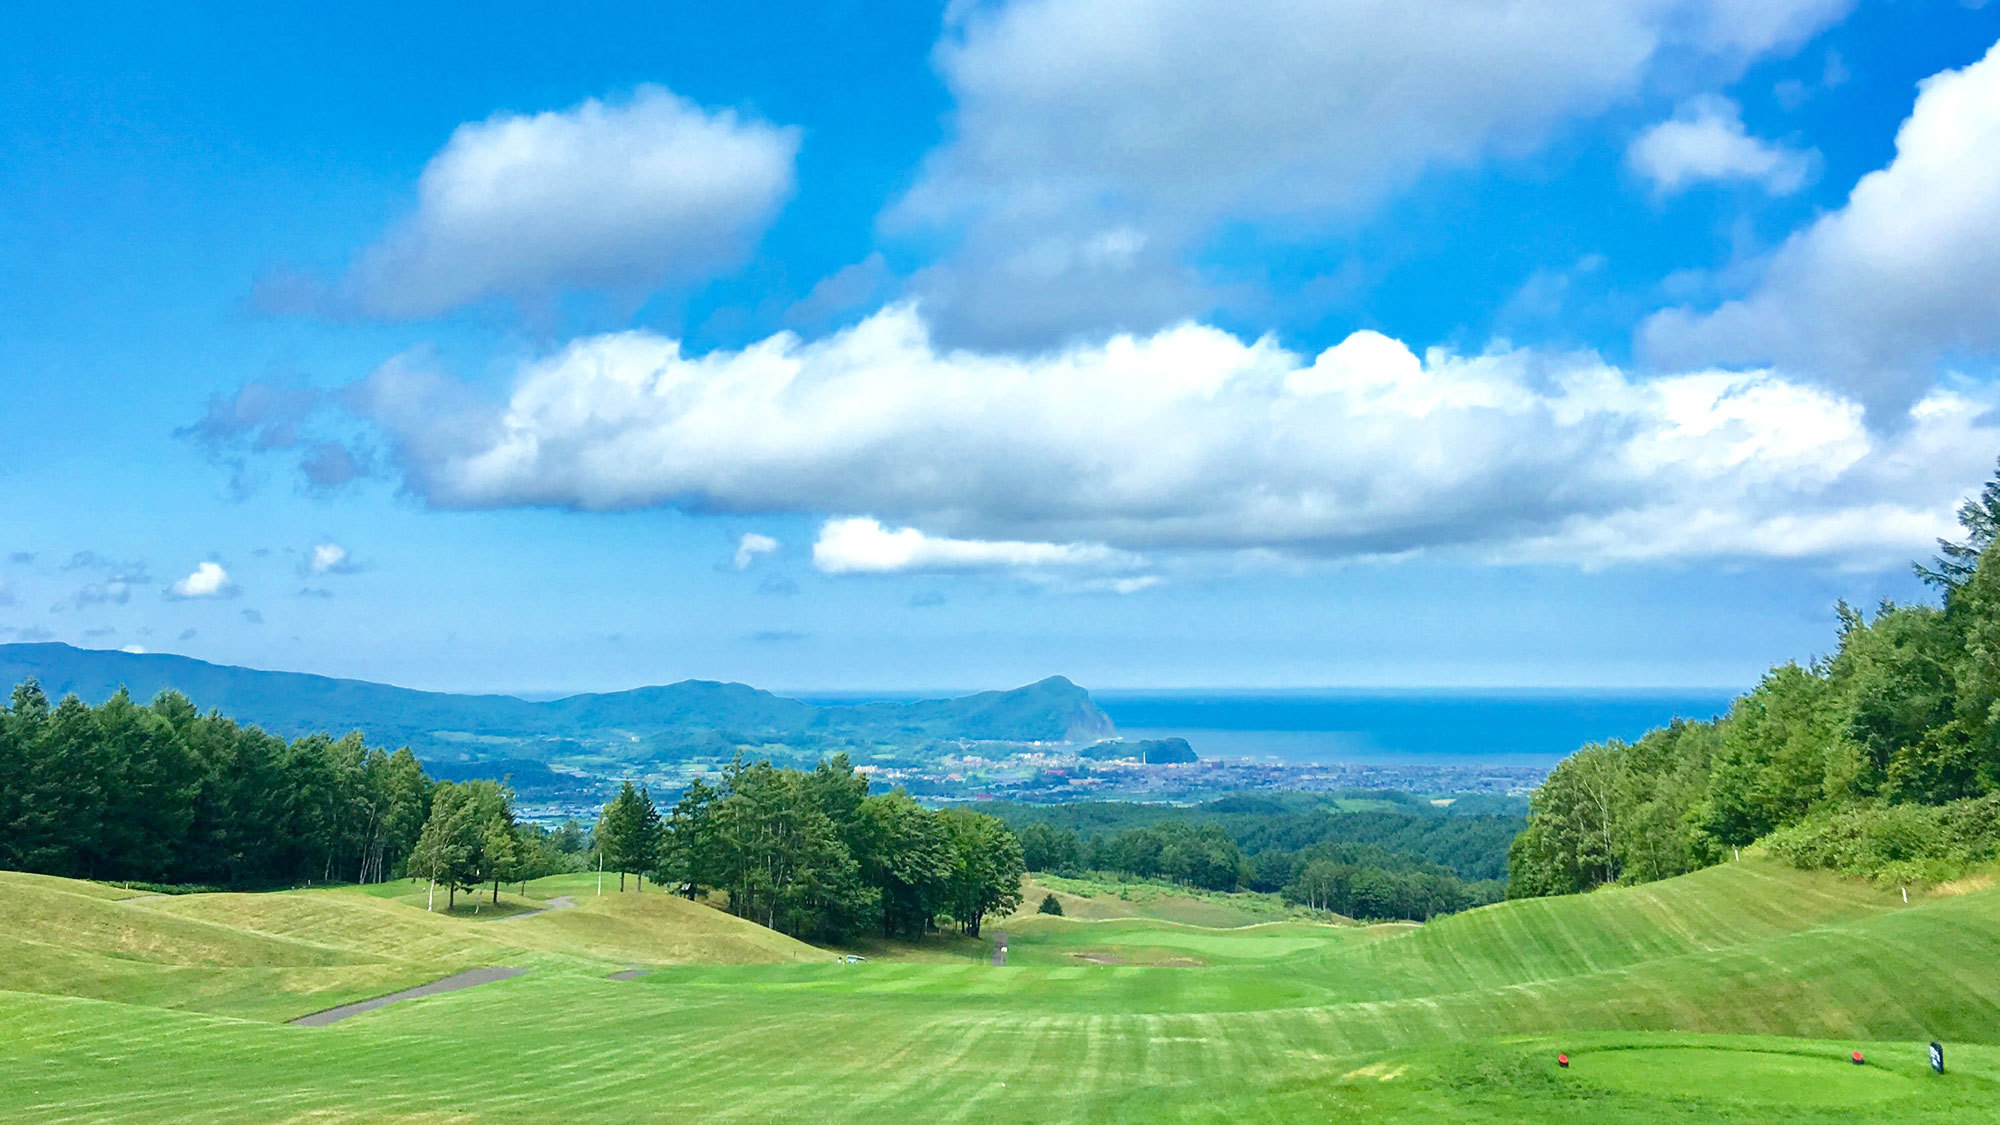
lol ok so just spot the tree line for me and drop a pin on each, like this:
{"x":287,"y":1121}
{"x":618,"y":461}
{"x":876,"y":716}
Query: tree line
{"x":813,"y":854}
{"x":165,"y":793}
{"x":1884,"y":753}
{"x":1313,"y":855}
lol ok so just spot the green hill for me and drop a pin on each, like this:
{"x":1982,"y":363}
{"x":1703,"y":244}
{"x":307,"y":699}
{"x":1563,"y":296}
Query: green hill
{"x":1731,"y":994}
{"x":650,"y":722}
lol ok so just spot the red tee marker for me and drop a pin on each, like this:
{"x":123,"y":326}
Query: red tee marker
{"x":1562,"y":1060}
{"x":1857,"y":1058}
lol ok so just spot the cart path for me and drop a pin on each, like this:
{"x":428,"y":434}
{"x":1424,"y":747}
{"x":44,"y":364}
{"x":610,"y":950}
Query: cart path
{"x":467,"y":979}
{"x":560,"y":902}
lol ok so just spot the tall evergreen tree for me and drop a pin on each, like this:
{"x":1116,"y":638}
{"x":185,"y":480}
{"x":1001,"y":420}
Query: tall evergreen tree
{"x":1980,"y":517}
{"x":628,"y":833}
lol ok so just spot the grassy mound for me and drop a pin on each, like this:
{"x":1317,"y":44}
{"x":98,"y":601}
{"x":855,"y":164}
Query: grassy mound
{"x":1106,"y":899}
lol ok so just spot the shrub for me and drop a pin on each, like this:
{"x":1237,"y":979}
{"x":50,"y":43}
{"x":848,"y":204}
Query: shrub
{"x":1895,"y":843}
{"x":1050,"y":905}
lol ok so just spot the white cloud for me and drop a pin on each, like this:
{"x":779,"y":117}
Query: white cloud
{"x":858,"y":545}
{"x":209,"y":580}
{"x":1190,"y":439}
{"x":1871,"y":296}
{"x":328,"y":558}
{"x":618,"y":196}
{"x":1706,"y":141}
{"x":134,"y":649}
{"x":1094,"y":142}
{"x":750,"y":546}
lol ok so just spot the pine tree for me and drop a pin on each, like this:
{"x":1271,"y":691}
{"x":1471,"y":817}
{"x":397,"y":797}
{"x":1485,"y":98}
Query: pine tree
{"x":1955,"y":563}
{"x":627,"y":833}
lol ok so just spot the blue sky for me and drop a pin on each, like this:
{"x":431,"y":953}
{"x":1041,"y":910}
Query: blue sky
{"x":917,"y":346}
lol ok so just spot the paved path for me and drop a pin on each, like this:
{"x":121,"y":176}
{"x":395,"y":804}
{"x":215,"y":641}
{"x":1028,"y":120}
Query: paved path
{"x":560,"y":902}
{"x":1000,"y":948}
{"x":452,"y":983}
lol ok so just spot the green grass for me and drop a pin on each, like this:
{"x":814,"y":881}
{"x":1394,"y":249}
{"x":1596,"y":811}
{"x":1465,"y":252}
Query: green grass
{"x":1106,"y":898}
{"x":1733,"y":994}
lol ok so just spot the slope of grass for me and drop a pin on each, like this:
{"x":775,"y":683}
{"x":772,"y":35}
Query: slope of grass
{"x":1046,"y":940}
{"x":654,"y":929}
{"x":1104,"y":898}
{"x":1734,"y":994}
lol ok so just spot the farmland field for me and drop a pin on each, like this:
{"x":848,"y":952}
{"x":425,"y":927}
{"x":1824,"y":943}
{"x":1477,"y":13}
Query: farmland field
{"x":1732,"y":994}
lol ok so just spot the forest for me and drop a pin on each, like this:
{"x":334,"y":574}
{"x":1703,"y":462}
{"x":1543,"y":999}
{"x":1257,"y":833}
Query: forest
{"x":815,"y":855}
{"x":1881,"y":759}
{"x":1394,"y":857}
{"x":164,"y":793}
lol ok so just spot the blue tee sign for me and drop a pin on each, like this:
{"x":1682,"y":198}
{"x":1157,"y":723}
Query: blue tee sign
{"x":1937,"y":1057}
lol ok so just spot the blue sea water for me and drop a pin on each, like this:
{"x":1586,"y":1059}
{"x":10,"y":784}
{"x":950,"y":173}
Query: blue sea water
{"x":1410,"y":728}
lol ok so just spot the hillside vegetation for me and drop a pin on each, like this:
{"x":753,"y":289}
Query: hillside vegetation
{"x":1368,"y":854}
{"x":1882,"y":759}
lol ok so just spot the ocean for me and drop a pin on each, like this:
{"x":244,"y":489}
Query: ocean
{"x":1402,"y":728}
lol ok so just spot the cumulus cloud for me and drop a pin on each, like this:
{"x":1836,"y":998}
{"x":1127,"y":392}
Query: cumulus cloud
{"x":750,"y":546}
{"x":136,"y":650}
{"x":329,"y":558}
{"x":6,"y":594}
{"x":1871,"y":296}
{"x":1093,"y":143}
{"x":1706,"y":142}
{"x":27,"y":634}
{"x":858,"y":545}
{"x":208,"y":580}
{"x":607,"y":195}
{"x":1191,"y":439}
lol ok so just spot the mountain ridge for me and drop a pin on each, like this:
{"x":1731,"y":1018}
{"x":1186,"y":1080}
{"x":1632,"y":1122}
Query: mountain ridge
{"x":659,"y":721}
